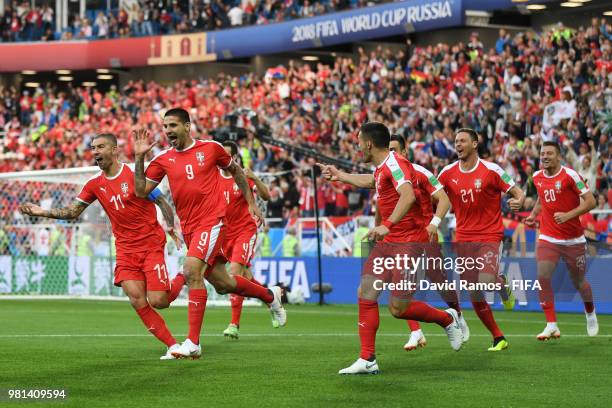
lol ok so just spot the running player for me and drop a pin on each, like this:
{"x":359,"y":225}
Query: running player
{"x":192,"y":167}
{"x":474,"y":187}
{"x":430,"y":191}
{"x":393,"y":180}
{"x":241,"y":231}
{"x":140,"y":267}
{"x":562,"y":198}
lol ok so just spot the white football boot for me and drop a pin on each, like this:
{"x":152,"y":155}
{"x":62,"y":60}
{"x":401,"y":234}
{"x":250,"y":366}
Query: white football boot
{"x":171,"y":349}
{"x":550,"y":332}
{"x":188,"y":350}
{"x":361,"y":366}
{"x":417,"y":339}
{"x":453,"y":331}
{"x":276,"y":307}
{"x":592,"y":325}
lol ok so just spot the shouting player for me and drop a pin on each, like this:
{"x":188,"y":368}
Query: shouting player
{"x":400,"y":211}
{"x":474,"y":187}
{"x":562,"y":198}
{"x":241,"y":231}
{"x":430,"y":191}
{"x":192,"y":167}
{"x":140,"y":267}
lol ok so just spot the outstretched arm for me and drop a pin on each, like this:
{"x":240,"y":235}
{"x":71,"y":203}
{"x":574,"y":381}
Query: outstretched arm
{"x":64,"y":213}
{"x":331,"y":173}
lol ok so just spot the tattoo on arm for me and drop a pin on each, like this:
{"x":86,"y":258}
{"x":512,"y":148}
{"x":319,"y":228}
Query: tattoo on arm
{"x":166,"y":210}
{"x":67,"y":213}
{"x":140,"y":182}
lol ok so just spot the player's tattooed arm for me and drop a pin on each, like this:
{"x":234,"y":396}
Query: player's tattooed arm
{"x":142,"y":187}
{"x":168,"y":215}
{"x":517,"y":200}
{"x":64,"y":213}
{"x":262,"y":189}
{"x":166,"y":211}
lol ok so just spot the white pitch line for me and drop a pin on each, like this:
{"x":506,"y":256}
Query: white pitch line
{"x":10,"y":336}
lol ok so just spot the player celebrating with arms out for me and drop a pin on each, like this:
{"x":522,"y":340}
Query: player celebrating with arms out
{"x":393,"y":180}
{"x":474,"y":187}
{"x":562,"y":198}
{"x":140,"y":267}
{"x":192,"y":167}
{"x":241,"y":231}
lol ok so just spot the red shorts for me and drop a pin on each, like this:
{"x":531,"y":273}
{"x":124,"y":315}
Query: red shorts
{"x":400,"y":281}
{"x":574,"y":256}
{"x":205,"y":242}
{"x":476,"y":258}
{"x":148,"y":266}
{"x":240,"y":247}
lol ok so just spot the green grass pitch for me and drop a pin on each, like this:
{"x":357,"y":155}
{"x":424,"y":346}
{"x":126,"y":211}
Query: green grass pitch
{"x":102,"y":354}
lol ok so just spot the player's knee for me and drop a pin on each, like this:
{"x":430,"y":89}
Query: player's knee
{"x":236,"y":269}
{"x":191,"y":276}
{"x":137,"y":301}
{"x":159,"y":303}
{"x":222,"y":288}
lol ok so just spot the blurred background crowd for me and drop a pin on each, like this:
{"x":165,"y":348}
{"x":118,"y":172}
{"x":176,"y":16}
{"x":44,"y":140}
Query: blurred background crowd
{"x":531,"y":87}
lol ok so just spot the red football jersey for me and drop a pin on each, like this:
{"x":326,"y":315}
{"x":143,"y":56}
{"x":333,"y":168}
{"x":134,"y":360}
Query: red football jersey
{"x":559,"y":193}
{"x":427,"y":184}
{"x":237,"y":216}
{"x":476,"y":199}
{"x":133,"y":219}
{"x":194,"y":181}
{"x":389,"y":176}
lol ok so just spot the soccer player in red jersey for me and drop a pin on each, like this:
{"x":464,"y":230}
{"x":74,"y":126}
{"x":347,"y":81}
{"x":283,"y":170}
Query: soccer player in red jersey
{"x":140,"y":267}
{"x":430,"y":191}
{"x":562,"y":198}
{"x":393,"y":180}
{"x":474,"y":187}
{"x":192,"y":167}
{"x":241,"y":231}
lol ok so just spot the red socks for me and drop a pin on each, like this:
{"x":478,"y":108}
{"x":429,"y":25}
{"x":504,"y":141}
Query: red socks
{"x":156,"y":325}
{"x":236,"y":302}
{"x":414,"y":325}
{"x":368,"y":326}
{"x":547,"y":300}
{"x":176,"y":286}
{"x":246,"y":288}
{"x":483,"y":310}
{"x":195,"y":313}
{"x":422,"y":312}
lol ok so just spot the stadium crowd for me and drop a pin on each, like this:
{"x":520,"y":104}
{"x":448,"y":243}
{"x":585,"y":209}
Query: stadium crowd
{"x":422,"y":93}
{"x":21,"y":22}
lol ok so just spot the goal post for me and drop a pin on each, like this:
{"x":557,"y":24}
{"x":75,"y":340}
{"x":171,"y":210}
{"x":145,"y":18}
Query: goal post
{"x":47,"y":258}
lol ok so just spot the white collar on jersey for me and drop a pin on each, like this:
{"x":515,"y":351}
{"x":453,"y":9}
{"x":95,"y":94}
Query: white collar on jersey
{"x":187,"y":148}
{"x":116,"y":175}
{"x":221,"y":173}
{"x":554,"y":175}
{"x":384,"y":161}
{"x":470,"y":170}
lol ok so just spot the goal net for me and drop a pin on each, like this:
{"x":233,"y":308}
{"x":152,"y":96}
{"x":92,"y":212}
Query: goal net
{"x":41,"y":257}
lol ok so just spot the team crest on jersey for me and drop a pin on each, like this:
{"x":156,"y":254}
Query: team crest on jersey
{"x":478,"y":184}
{"x":558,"y":186}
{"x":124,"y":188}
{"x":200,"y":158}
